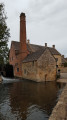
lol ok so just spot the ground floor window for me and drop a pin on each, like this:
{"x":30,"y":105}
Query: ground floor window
{"x":17,"y":69}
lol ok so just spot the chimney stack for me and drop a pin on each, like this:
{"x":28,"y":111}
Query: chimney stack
{"x":28,"y":41}
{"x":23,"y":32}
{"x":45,"y":44}
{"x":53,"y":46}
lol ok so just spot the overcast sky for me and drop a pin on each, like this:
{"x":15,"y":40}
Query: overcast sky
{"x":46,"y":21}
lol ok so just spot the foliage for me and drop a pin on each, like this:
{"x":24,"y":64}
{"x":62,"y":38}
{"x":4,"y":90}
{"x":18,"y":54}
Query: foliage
{"x":4,"y":36}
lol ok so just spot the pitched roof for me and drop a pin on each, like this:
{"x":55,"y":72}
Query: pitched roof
{"x":33,"y":56}
{"x":54,"y":51}
{"x":16,"y":45}
{"x":64,"y":60}
{"x":34,"y":48}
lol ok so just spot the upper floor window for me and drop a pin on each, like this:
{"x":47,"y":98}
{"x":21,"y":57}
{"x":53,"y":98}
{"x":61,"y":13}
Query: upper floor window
{"x":17,"y":69}
{"x":12,"y":58}
{"x":56,"y":59}
{"x":16,"y":64}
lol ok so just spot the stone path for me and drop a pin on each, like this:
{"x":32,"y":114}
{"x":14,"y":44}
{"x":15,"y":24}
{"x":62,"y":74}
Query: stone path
{"x":60,"y":110}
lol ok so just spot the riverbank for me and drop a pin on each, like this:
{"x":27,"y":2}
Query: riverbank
{"x":60,"y":110}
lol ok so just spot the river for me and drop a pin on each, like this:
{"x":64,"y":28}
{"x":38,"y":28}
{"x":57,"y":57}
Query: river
{"x":26,"y":100}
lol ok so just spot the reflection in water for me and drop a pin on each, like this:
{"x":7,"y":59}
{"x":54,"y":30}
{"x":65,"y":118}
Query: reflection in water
{"x":27,"y":100}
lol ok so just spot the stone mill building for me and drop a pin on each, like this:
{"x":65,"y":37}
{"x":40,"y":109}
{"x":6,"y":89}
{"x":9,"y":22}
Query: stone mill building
{"x":33,"y":62}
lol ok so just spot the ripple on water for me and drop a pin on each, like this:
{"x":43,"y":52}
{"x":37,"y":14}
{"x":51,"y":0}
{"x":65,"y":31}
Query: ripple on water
{"x":25,"y":100}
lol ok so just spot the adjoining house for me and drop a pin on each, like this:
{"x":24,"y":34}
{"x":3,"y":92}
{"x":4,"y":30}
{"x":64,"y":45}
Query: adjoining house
{"x":21,"y":51}
{"x":64,"y":60}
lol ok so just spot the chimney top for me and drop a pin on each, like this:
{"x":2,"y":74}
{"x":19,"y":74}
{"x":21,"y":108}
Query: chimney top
{"x":28,"y":41}
{"x":45,"y":44}
{"x":22,"y":14}
{"x":63,"y":56}
{"x":53,"y":46}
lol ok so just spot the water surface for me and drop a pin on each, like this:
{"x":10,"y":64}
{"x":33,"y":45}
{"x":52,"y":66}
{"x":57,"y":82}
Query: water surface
{"x":26,"y":100}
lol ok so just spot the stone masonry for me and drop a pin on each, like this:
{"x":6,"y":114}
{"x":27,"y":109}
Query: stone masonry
{"x":42,"y":69}
{"x":60,"y":110}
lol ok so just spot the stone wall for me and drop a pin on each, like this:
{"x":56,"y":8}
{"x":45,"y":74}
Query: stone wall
{"x":29,"y":70}
{"x":60,"y":110}
{"x":63,"y":69}
{"x":46,"y":67}
{"x":59,"y":62}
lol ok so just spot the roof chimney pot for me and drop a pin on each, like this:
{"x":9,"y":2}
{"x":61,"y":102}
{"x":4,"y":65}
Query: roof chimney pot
{"x":22,"y":14}
{"x":28,"y":41}
{"x":45,"y":44}
{"x":63,"y":56}
{"x":53,"y":46}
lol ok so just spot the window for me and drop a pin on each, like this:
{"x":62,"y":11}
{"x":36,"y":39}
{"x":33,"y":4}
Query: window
{"x":56,"y":59}
{"x":16,"y":64}
{"x":57,"y":66}
{"x":12,"y":58}
{"x":24,"y":71}
{"x":33,"y":63}
{"x":17,"y":69}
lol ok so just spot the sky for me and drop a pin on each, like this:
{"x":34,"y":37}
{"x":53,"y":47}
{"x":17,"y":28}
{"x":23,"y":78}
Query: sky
{"x":46,"y":21}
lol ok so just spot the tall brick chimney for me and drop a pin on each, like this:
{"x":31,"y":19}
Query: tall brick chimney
{"x":23,"y":32}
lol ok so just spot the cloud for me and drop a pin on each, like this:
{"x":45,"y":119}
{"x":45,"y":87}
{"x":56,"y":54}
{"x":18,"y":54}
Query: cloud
{"x":43,"y":9}
{"x":46,"y":21}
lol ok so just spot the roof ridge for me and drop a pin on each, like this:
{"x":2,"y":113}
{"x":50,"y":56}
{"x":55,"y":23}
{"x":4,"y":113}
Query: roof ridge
{"x":34,"y":56}
{"x":15,"y":41}
{"x":30,"y":47}
{"x":37,"y":45}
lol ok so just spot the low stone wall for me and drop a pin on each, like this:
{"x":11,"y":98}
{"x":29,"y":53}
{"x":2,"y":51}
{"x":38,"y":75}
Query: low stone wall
{"x":63,"y":69}
{"x":60,"y":110}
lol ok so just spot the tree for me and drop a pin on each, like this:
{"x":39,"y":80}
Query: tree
{"x":4,"y":36}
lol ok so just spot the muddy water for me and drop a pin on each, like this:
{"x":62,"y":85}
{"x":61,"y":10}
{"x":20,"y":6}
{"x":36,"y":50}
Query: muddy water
{"x":25,"y":100}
